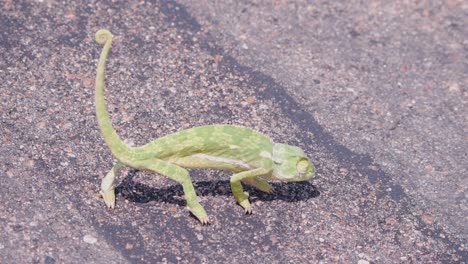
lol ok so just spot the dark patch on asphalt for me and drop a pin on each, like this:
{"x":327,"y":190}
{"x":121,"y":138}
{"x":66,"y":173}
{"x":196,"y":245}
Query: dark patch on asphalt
{"x":49,"y":260}
{"x":127,"y":239}
{"x":142,"y":193}
{"x":9,"y":26}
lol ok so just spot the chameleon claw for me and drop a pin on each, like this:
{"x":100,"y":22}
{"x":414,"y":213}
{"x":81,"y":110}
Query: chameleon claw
{"x":272,"y":190}
{"x":247,"y":207}
{"x":109,"y":198}
{"x":199,"y":213}
{"x":205,"y":220}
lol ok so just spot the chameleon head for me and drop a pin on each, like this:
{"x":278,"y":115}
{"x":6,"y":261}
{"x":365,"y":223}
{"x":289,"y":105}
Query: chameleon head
{"x":291,"y":164}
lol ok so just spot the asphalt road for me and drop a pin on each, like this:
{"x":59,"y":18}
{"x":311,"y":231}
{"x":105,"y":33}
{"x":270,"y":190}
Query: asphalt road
{"x":374,"y":92}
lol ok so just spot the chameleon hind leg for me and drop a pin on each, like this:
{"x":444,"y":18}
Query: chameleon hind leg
{"x":107,"y":186}
{"x":181,"y":176}
{"x":236,"y":187}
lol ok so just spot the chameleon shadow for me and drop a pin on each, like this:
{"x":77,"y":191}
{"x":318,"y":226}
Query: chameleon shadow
{"x":142,"y":193}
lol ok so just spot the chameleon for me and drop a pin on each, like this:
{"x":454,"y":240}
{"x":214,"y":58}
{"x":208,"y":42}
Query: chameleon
{"x":252,"y":157}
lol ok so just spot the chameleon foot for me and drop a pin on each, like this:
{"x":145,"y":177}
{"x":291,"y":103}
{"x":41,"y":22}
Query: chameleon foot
{"x":109,"y":198}
{"x":271,"y":191}
{"x":244,"y":202}
{"x":246,"y":205}
{"x":107,"y":187}
{"x":199,"y":212}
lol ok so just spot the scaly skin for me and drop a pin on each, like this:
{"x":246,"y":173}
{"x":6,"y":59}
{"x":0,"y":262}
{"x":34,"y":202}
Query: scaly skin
{"x":252,"y":156}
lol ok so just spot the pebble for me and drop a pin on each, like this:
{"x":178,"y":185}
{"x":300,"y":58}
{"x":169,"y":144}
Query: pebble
{"x":129,"y":246}
{"x":200,"y":237}
{"x":89,"y":239}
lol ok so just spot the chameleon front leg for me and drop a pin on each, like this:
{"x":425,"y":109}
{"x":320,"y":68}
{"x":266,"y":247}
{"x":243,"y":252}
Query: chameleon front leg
{"x":107,"y":186}
{"x":243,"y":197}
{"x":182,"y":176}
{"x":259,"y":184}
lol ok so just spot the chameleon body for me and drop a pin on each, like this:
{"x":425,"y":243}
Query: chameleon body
{"x":251,"y":156}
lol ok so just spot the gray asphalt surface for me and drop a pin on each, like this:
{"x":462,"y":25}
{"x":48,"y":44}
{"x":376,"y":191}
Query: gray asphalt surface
{"x":374,"y":92}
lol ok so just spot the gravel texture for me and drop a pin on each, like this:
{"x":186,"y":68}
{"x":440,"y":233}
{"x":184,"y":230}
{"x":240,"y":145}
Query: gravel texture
{"x":374,"y":92}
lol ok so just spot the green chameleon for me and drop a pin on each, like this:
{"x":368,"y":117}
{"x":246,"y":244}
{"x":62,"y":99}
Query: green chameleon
{"x":251,"y":156}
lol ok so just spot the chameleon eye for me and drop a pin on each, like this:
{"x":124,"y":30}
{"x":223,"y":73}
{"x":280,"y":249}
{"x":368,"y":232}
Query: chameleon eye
{"x":302,"y":165}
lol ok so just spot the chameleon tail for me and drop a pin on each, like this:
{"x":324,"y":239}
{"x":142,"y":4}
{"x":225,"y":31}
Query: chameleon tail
{"x":117,"y":146}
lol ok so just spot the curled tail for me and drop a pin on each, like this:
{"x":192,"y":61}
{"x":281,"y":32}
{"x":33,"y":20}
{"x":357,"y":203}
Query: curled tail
{"x":119,"y":149}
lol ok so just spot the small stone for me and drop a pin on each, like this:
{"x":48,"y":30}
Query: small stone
{"x":390,"y":221}
{"x":454,"y":88}
{"x":217,"y":58}
{"x":263,"y":106}
{"x":429,"y":220}
{"x":10,"y":173}
{"x":129,"y":246}
{"x":41,"y":125}
{"x":343,"y":172}
{"x":129,"y":142}
{"x":242,"y":37}
{"x":173,"y":209}
{"x":70,"y":15}
{"x":363,"y":261}
{"x":29,"y":163}
{"x":89,"y":239}
{"x":250,"y":99}
{"x":200,"y":237}
{"x":68,"y":125}
{"x":274,"y":240}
